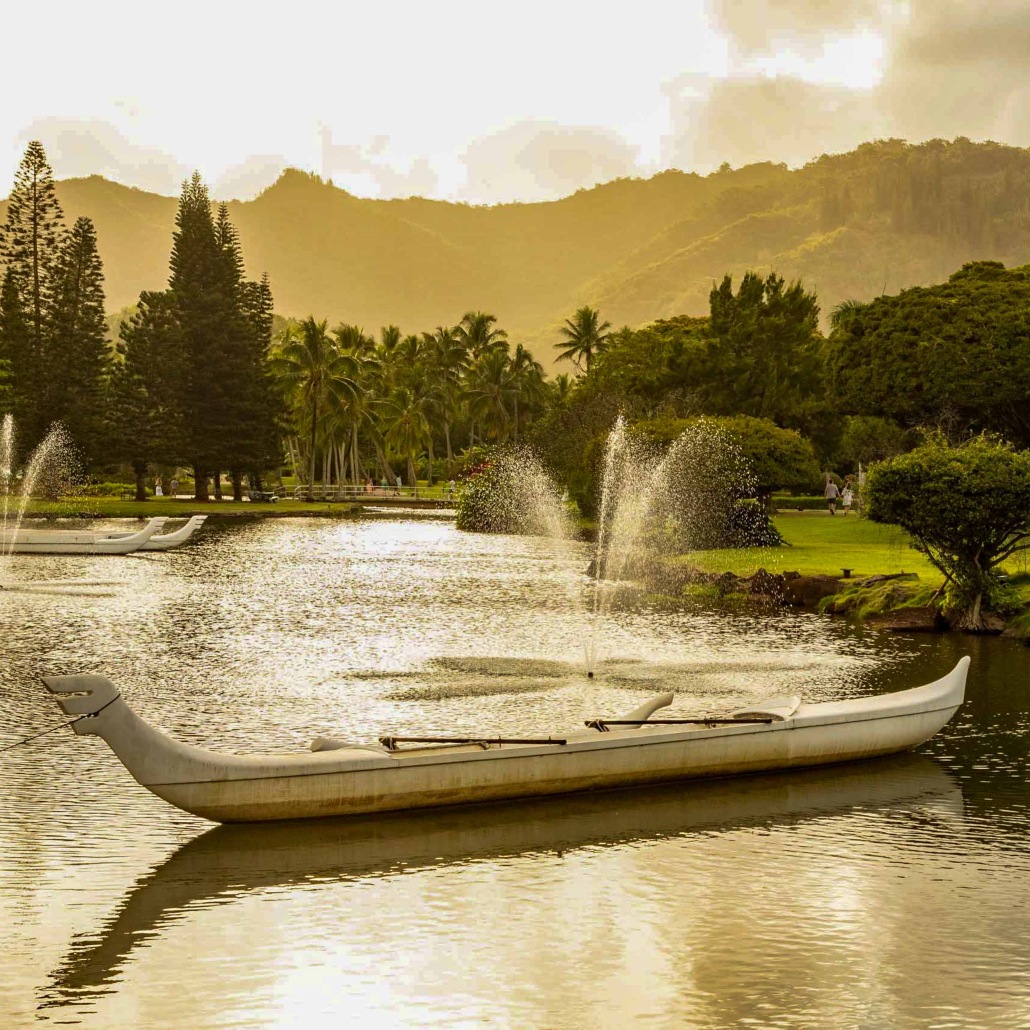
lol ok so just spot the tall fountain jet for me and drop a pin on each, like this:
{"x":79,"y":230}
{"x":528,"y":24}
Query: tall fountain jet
{"x":687,"y":490}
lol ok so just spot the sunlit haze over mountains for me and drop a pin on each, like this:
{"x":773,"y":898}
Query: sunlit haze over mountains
{"x":488,"y":103}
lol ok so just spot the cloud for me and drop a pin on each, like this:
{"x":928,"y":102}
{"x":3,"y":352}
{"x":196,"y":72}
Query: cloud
{"x":541,"y":160}
{"x":91,"y":146}
{"x":741,"y":120}
{"x":368,"y":168}
{"x":960,"y":69}
{"x":246,"y":180}
{"x":757,"y":26}
{"x":949,"y":68}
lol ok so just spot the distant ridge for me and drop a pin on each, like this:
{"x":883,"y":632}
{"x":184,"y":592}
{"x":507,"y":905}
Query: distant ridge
{"x":886,"y":216}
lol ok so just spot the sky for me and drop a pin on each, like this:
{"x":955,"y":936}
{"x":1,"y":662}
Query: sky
{"x":489,"y":102}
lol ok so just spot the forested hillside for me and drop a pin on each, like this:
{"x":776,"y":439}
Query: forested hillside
{"x":852,"y":226}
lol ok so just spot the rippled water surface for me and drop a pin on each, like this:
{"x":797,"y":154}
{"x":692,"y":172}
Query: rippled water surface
{"x":892,"y":893}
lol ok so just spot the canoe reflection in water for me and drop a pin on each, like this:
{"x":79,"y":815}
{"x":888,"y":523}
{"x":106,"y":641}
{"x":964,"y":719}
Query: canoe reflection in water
{"x":228,"y":862}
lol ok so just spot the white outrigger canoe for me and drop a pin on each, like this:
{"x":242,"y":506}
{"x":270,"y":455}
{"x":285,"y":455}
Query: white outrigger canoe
{"x":75,"y":541}
{"x":338,"y":778}
{"x":88,"y":541}
{"x":165,"y":541}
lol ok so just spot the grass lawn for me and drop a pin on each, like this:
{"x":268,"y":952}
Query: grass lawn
{"x":822,"y":544}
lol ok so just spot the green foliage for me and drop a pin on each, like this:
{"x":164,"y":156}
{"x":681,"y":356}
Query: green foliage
{"x":967,"y":509}
{"x":762,"y":357}
{"x":777,"y":458}
{"x":955,"y":355}
{"x":862,"y":599}
{"x":868,"y":438}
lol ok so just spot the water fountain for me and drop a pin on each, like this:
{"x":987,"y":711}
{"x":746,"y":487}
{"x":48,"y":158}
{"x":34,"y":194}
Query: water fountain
{"x":50,"y":468}
{"x":649,"y":497}
{"x":514,"y":494}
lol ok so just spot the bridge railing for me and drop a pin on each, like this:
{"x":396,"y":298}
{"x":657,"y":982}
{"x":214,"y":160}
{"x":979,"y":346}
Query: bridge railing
{"x":364,"y":492}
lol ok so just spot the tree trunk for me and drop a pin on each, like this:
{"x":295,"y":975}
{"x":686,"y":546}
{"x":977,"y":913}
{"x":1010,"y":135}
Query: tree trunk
{"x":199,"y":484}
{"x":429,"y":471}
{"x":355,"y":459}
{"x":450,"y":455}
{"x":314,"y":427}
{"x":218,"y":485}
{"x":237,"y":484}
{"x":140,"y":469}
{"x":412,"y":481}
{"x":391,"y":478}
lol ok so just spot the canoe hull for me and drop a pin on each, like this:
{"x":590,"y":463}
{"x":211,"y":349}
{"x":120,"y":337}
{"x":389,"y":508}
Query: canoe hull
{"x":356,"y":780}
{"x":558,"y":771}
{"x":60,"y":541}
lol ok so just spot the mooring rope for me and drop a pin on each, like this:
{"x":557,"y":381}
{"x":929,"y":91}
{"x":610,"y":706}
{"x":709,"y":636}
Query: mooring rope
{"x":60,"y":726}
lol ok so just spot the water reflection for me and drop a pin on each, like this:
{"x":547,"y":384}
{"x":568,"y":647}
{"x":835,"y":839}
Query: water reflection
{"x":228,"y":862}
{"x":796,"y":901}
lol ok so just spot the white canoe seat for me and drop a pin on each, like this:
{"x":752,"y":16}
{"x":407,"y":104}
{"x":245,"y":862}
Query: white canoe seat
{"x":335,"y":744}
{"x":777,"y":708}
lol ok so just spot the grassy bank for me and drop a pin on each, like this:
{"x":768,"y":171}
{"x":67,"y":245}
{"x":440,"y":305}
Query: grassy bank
{"x":114,"y":508}
{"x":822,"y":545}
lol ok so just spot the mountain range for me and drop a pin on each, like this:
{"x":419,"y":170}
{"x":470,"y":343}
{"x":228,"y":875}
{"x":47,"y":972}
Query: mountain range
{"x":883,"y":217}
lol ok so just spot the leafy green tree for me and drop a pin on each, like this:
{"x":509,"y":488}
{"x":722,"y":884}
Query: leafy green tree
{"x":584,"y":335}
{"x":955,"y":356}
{"x":967,"y":509}
{"x":775,"y":458}
{"x":868,"y":438}
{"x":763,"y":357}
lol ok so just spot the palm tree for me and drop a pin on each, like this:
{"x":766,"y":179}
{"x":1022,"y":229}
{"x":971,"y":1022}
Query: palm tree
{"x":405,"y":426}
{"x":584,"y":337}
{"x":490,"y":390}
{"x":844,"y":312}
{"x":314,"y":371}
{"x":446,"y":362}
{"x":527,"y":378}
{"x":478,"y":333}
{"x":561,"y":390}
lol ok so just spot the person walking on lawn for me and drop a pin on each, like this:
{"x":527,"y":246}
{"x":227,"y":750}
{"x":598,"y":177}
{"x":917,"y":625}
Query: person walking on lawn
{"x":831,"y":494}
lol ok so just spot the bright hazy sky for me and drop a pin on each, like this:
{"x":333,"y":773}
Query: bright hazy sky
{"x":488,"y":101}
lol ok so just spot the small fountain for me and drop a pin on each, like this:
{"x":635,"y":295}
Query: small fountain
{"x":514,"y":494}
{"x":648,"y":495}
{"x":50,"y":466}
{"x":50,"y":470}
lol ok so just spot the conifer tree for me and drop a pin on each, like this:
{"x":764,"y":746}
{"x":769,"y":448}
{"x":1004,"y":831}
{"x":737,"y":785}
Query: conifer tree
{"x":15,"y":349}
{"x":77,"y":355}
{"x":209,"y":320}
{"x":28,"y":247}
{"x":145,"y":395}
{"x":261,"y":427}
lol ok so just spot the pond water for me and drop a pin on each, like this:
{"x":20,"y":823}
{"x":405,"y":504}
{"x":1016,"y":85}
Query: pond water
{"x":892,"y":893}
